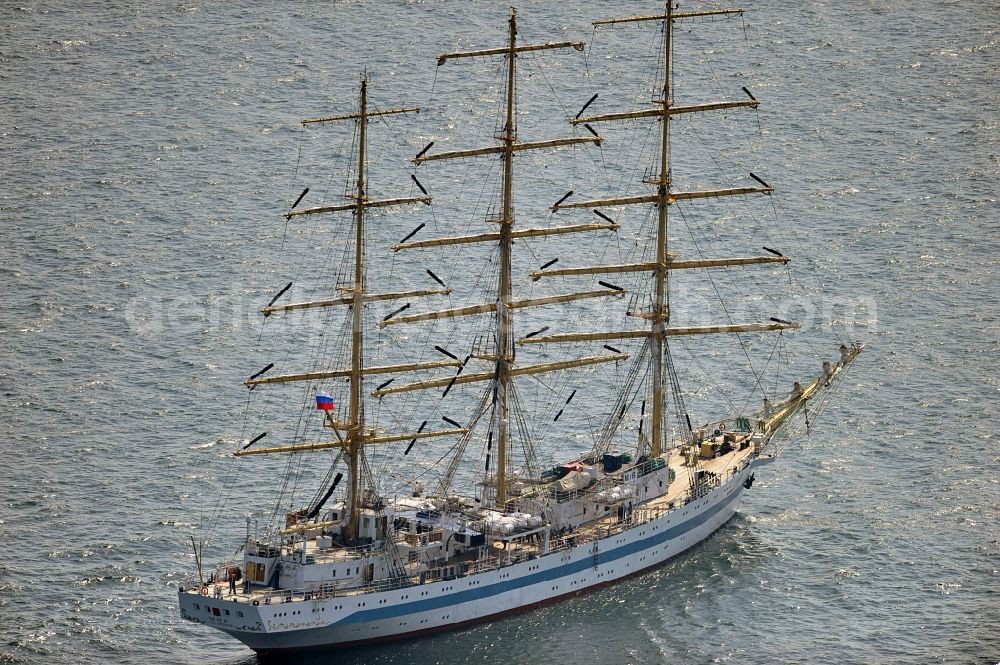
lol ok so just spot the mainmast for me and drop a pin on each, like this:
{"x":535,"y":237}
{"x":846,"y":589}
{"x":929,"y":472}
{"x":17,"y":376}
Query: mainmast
{"x":503,"y":303}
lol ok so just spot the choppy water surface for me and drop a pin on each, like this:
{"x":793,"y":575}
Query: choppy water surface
{"x":147,"y":149}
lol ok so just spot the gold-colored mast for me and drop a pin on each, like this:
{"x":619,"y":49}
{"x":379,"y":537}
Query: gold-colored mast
{"x":356,"y":433}
{"x":659,"y":317}
{"x":661,"y":311}
{"x":505,"y":349}
{"x":503,"y":304}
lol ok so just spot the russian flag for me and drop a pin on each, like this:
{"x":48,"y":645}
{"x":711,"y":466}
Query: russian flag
{"x":323,"y":401}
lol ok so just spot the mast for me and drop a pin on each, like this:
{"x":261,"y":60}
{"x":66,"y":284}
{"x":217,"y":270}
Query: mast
{"x":661,"y":312}
{"x":502,"y":303}
{"x":352,"y":435}
{"x":659,"y":318}
{"x":505,"y":349}
{"x":356,"y":433}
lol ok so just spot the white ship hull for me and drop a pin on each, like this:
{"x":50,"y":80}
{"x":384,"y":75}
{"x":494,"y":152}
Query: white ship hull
{"x":446,"y":605}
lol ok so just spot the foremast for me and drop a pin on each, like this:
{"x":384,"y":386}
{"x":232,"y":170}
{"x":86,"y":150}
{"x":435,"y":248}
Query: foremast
{"x":663,"y":198}
{"x":661,"y":310}
{"x":504,"y":347}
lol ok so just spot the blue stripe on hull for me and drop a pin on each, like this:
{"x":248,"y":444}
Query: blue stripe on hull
{"x":415,"y":607}
{"x":334,"y":634}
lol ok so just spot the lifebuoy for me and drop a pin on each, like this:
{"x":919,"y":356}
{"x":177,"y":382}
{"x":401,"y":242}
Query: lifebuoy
{"x":204,"y":589}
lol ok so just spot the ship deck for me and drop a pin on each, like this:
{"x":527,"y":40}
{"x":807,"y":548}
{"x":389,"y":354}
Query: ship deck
{"x":678,"y":493}
{"x":517,"y":547}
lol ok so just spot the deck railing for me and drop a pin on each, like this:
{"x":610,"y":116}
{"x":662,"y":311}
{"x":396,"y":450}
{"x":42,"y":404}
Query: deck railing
{"x":637,"y":516}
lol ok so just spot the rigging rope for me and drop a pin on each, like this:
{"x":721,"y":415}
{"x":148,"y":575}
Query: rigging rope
{"x":626,"y":397}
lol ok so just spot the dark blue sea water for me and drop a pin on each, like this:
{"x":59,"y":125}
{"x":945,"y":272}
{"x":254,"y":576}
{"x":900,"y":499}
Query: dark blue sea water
{"x":147,"y":150}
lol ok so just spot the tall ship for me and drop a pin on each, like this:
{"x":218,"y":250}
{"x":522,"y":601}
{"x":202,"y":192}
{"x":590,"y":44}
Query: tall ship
{"x":410,"y":529}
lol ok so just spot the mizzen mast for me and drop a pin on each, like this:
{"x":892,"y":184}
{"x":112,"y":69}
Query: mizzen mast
{"x":352,"y":435}
{"x":356,"y":433}
{"x":661,"y":311}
